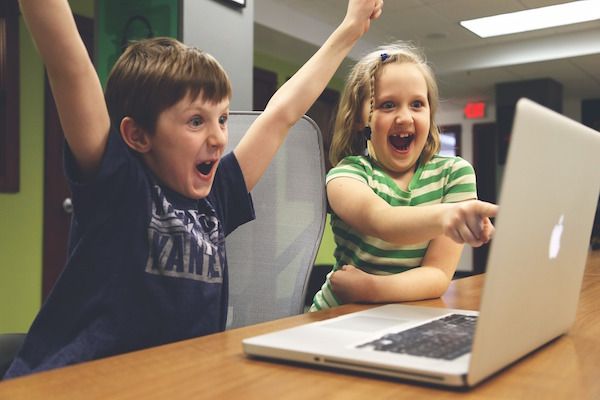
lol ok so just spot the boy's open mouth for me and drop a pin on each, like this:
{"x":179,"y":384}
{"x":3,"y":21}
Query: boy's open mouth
{"x":402,"y":141}
{"x":205,"y":167}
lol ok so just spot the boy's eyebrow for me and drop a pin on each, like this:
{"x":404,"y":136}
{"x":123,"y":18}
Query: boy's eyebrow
{"x":201,"y":107}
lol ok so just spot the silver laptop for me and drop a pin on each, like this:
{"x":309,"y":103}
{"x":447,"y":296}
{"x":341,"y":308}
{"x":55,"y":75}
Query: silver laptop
{"x":533,"y":276}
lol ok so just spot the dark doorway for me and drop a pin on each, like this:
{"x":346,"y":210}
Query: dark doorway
{"x":264,"y":87}
{"x":485,"y":164}
{"x":57,"y":217}
{"x":323,"y":112}
{"x":9,"y":96}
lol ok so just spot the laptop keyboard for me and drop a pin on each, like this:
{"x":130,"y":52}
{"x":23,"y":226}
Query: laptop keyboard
{"x":446,"y":338}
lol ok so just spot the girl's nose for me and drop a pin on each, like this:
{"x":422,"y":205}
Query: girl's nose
{"x":403,"y":116}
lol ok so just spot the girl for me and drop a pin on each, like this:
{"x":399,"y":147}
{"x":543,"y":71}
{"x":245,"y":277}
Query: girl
{"x":401,"y":213}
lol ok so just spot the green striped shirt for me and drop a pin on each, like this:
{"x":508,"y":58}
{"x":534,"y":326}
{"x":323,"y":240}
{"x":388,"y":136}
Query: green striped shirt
{"x":441,"y":180}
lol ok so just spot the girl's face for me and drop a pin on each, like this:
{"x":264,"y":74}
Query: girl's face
{"x":401,"y":118}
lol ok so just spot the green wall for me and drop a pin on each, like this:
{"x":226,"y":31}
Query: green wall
{"x":83,"y":7}
{"x":21,"y":213}
{"x":325,"y":254}
{"x":284,"y":69}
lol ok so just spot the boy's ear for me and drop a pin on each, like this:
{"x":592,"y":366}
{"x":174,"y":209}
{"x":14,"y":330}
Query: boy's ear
{"x":134,"y":135}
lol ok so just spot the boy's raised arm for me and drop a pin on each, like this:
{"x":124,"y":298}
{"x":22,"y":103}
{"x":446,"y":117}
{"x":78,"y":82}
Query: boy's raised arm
{"x":294,"y":98}
{"x":74,"y":82}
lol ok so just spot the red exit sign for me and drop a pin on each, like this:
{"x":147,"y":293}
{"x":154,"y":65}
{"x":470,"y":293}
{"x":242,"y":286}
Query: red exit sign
{"x":475,"y":110}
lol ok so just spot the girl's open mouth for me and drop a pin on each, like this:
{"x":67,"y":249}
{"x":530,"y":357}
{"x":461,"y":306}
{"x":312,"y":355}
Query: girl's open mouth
{"x":402,"y":141}
{"x":205,"y":167}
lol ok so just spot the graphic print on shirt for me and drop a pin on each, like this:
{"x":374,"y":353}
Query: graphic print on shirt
{"x":184,"y":243}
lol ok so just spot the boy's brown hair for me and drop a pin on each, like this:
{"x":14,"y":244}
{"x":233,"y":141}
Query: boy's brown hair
{"x":153,"y":74}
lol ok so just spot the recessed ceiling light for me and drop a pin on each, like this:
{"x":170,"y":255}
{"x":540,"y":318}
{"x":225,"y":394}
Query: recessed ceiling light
{"x":536,"y":18}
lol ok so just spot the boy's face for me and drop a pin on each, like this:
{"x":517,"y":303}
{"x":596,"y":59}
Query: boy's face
{"x":187,"y":145}
{"x":401,"y":117}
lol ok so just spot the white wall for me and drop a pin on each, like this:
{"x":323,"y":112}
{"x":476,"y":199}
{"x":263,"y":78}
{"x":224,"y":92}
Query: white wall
{"x":226,"y":32}
{"x":572,"y":108}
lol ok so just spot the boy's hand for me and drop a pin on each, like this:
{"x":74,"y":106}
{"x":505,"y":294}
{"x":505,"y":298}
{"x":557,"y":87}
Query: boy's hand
{"x":361,"y":12}
{"x":469,"y":222}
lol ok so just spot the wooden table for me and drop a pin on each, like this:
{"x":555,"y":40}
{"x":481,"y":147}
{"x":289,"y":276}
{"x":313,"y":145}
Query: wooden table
{"x":214,"y":367}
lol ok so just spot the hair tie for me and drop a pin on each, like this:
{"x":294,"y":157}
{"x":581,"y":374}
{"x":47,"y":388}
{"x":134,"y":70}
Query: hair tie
{"x":367,"y":132}
{"x":384,"y":56}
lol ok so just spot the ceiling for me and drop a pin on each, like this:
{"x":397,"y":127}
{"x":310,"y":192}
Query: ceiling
{"x":467,"y":66}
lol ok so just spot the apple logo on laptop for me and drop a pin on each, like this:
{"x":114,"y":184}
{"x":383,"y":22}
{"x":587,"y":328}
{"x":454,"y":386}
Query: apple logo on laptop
{"x":557,"y":231}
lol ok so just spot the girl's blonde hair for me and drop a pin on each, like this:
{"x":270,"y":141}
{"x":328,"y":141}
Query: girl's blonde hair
{"x":348,"y":136}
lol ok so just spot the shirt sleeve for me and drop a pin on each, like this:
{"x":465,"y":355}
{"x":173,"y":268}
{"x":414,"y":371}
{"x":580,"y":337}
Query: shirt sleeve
{"x":461,"y":183}
{"x":350,"y":167}
{"x":120,"y":178}
{"x":230,"y":196}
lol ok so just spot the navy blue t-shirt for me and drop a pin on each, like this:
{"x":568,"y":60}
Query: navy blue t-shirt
{"x":146,"y":266}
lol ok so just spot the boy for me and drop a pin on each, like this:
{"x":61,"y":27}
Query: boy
{"x":153,"y":197}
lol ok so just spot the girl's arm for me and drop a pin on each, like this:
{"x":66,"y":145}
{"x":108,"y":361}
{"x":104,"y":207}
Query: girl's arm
{"x":429,"y":281}
{"x":74,"y":82}
{"x":357,"y":205}
{"x":259,"y":145}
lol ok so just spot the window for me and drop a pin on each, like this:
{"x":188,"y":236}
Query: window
{"x":450,"y":140}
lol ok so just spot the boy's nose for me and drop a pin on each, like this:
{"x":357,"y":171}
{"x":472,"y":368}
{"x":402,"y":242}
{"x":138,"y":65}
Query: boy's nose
{"x":218,"y":137}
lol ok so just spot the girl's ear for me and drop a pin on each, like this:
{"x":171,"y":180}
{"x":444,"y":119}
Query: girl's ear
{"x":134,"y":135}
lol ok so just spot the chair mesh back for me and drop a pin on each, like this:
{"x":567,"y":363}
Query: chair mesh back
{"x":270,"y":259}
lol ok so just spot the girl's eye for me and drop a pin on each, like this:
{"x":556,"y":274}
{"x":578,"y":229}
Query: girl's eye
{"x":417,"y":104}
{"x":223,"y":119}
{"x":387,"y":105}
{"x":195,"y":122}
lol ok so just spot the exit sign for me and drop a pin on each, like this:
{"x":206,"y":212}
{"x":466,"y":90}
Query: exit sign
{"x":474,"y":110}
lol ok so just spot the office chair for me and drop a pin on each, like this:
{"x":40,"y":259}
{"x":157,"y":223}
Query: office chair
{"x":270,"y":258}
{"x":10,"y":343}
